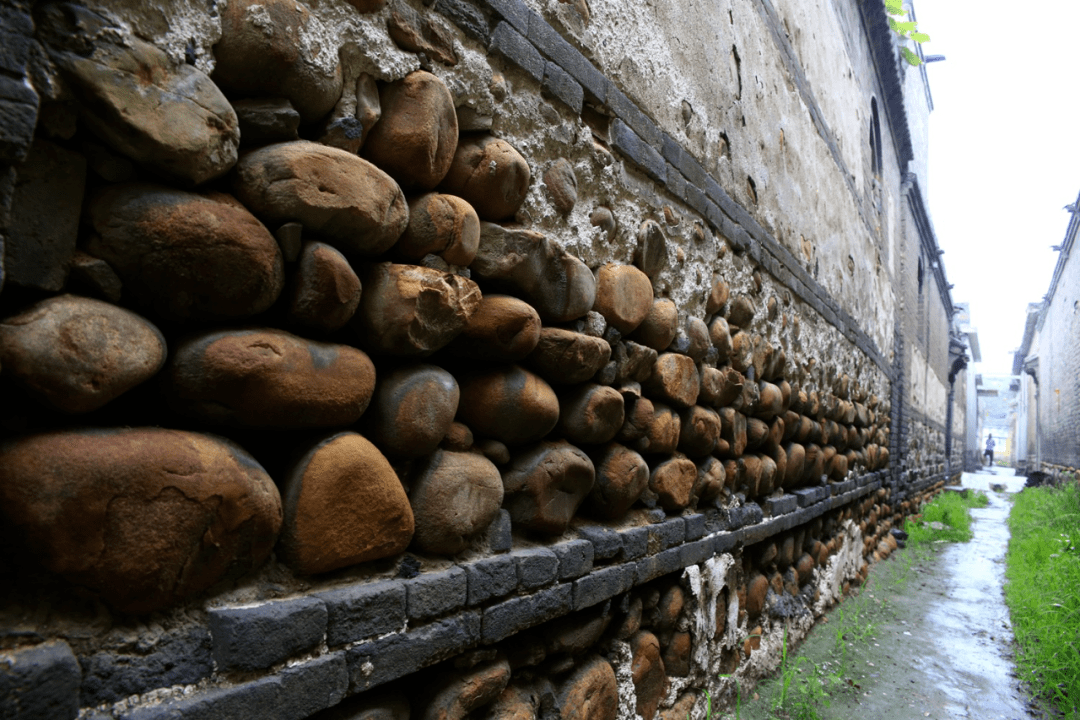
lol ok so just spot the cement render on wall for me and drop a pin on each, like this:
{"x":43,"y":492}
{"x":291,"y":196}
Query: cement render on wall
{"x":1058,"y":351}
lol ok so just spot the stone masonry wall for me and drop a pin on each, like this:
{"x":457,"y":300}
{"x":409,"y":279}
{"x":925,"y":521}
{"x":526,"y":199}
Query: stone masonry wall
{"x":361,"y":358}
{"x":1059,"y":368}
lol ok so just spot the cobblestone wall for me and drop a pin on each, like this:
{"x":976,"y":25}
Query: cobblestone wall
{"x":391,"y":358}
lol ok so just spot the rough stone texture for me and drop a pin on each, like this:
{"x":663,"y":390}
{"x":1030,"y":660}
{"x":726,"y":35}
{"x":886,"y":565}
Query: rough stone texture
{"x":181,"y":656}
{"x":490,"y":174}
{"x":455,"y":496}
{"x":157,"y":239}
{"x":711,"y":480}
{"x":458,"y":694}
{"x":509,"y":404}
{"x":634,"y":362}
{"x":440,"y":224}
{"x":412,"y":310}
{"x":658,"y":329}
{"x":624,"y":296}
{"x":142,"y":517}
{"x":77,"y":354}
{"x":673,"y":481}
{"x":545,"y":485}
{"x":431,"y":594}
{"x":720,"y":335}
{"x":621,"y":476}
{"x":266,"y":120}
{"x":325,"y":290}
{"x":647,"y":670}
{"x":560,"y":286}
{"x":412,"y":410}
{"x":343,"y":505}
{"x":370,"y":706}
{"x":699,"y":432}
{"x":353,"y":205}
{"x":590,"y":693}
{"x":44,"y":219}
{"x":502,"y":328}
{"x":675,"y":379}
{"x":254,"y":638}
{"x":651,"y":253}
{"x":536,"y":567}
{"x":39,"y":682}
{"x":171,"y":118}
{"x":756,"y":591}
{"x":417,"y":135}
{"x":271,"y":48}
{"x":568,"y":357}
{"x":591,"y":414}
{"x":720,"y":386}
{"x":676,"y":655}
{"x":420,"y":34}
{"x":718,"y":297}
{"x":741,"y":312}
{"x":94,"y":277}
{"x":359,"y":611}
{"x":561,"y":184}
{"x":661,"y":436}
{"x":269,"y":378}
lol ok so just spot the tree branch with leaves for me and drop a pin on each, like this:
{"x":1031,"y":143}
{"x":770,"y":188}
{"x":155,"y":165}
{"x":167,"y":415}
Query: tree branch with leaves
{"x":906,"y":29}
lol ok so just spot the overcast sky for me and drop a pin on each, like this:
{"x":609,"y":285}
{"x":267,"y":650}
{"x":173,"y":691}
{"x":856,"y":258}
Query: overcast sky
{"x":1004,"y":154}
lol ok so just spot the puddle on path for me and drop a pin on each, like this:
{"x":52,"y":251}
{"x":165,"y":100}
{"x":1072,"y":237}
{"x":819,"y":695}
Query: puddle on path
{"x":940,"y":642}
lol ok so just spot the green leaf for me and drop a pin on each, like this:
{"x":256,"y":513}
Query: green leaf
{"x":905,"y":27}
{"x":920,"y":37}
{"x":912,"y":59}
{"x":894,"y":7}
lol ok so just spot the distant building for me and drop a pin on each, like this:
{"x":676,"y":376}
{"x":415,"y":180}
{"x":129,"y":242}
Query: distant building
{"x":1049,"y":364}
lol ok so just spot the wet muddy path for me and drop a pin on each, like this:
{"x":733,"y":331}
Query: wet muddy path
{"x":929,"y":636}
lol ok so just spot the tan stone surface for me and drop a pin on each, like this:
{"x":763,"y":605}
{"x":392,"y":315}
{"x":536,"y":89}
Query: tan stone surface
{"x":502,"y":328}
{"x":509,"y":404}
{"x":490,"y":174}
{"x":343,"y":505}
{"x":352,"y":204}
{"x":412,"y":409}
{"x":621,"y":476}
{"x":545,"y":484}
{"x":77,"y":354}
{"x":141,"y":517}
{"x":624,"y":296}
{"x":417,"y":135}
{"x":157,"y":240}
{"x":442,"y":224}
{"x":455,"y":496}
{"x":269,"y":378}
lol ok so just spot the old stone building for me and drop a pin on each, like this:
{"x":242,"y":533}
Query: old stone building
{"x":1048,"y":366}
{"x":468,"y":357}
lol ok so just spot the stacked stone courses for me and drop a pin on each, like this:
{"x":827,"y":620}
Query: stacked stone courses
{"x":329,"y":387}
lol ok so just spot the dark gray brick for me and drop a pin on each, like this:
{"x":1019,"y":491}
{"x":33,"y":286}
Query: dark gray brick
{"x":676,"y":183}
{"x":39,"y":683}
{"x":491,"y":578}
{"x":436,"y":593}
{"x":514,"y":12}
{"x":514,"y":47}
{"x":603,"y":584}
{"x":388,"y":658}
{"x":695,"y":526}
{"x":655,"y":515}
{"x":752,"y":513}
{"x":181,"y":656}
{"x":724,"y":542}
{"x":635,"y":542}
{"x":559,"y":83}
{"x":637,"y":151}
{"x":18,"y":117}
{"x":628,"y":111}
{"x":606,"y":542}
{"x":360,"y":611}
{"x":654,"y":566}
{"x":810,"y":496}
{"x":258,"y":698}
{"x":514,"y":615}
{"x":467,"y":17}
{"x":252,"y":638}
{"x":671,"y":149}
{"x":781,"y":505}
{"x":669,"y":533}
{"x":555,"y":47}
{"x":575,"y":558}
{"x":500,"y":539}
{"x":696,"y":199}
{"x":536,"y":567}
{"x":696,"y":552}
{"x":312,"y":686}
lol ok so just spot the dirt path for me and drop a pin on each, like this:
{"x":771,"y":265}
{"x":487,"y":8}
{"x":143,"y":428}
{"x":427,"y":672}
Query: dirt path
{"x":936,"y":644}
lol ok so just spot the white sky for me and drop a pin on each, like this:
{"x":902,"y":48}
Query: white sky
{"x":1004,"y":154}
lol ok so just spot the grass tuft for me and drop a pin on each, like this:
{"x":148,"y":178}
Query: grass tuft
{"x":946,"y":518}
{"x":1042,"y":589}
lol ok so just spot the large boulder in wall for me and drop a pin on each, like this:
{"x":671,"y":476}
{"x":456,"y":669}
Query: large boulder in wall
{"x":140,"y":517}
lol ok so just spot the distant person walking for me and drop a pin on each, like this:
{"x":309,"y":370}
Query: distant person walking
{"x":989,"y":450}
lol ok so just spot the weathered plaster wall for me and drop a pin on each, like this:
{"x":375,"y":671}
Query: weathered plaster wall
{"x":478,"y":547}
